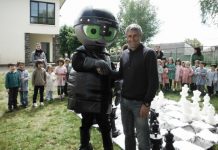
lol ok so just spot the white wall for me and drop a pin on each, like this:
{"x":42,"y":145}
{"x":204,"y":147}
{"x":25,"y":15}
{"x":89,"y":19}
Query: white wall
{"x":15,"y":22}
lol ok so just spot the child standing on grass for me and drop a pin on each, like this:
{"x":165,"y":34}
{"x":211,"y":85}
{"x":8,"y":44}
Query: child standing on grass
{"x":193,"y":85}
{"x":24,"y":77}
{"x":177,"y":81}
{"x":186,"y":74}
{"x":12,"y":85}
{"x":211,"y":79}
{"x":216,"y":82}
{"x":39,"y":81}
{"x":160,"y":72}
{"x":68,"y":67}
{"x":171,"y":71}
{"x":50,"y":83}
{"x":201,"y":73}
{"x":61,"y":72}
{"x":165,"y":79}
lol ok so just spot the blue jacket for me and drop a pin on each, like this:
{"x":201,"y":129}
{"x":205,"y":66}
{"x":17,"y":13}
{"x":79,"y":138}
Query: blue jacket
{"x":12,"y":80}
{"x":24,"y":77}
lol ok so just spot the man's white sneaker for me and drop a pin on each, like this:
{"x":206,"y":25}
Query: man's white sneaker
{"x":41,"y":104}
{"x":35,"y":105}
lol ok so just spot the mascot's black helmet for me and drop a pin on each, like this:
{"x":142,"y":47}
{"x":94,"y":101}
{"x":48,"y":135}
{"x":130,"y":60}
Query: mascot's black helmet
{"x":96,"y":27}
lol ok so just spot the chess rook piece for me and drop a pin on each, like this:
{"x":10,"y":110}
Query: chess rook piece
{"x":115,"y":131}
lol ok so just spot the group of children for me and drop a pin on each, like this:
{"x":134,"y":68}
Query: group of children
{"x":16,"y":81}
{"x":172,"y":76}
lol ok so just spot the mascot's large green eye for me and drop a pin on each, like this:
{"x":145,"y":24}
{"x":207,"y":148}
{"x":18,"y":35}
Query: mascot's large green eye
{"x":111,"y":34}
{"x":92,"y":31}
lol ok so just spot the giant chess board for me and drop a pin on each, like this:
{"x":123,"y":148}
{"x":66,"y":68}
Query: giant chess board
{"x":194,"y":128}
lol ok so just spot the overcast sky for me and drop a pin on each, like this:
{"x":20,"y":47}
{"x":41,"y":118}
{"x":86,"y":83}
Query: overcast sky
{"x":180,"y":19}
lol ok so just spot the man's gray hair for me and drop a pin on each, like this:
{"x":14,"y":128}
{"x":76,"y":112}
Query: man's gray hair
{"x":134,"y":27}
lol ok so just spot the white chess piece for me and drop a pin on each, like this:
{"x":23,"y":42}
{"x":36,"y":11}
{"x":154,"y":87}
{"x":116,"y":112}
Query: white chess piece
{"x":184,"y":92}
{"x":210,"y":118}
{"x":195,"y":105}
{"x":185,"y":104}
{"x":161,"y":99}
{"x":208,"y":111}
{"x":206,"y":104}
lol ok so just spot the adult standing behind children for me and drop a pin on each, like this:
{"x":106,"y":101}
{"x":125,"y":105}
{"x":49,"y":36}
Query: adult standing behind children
{"x":138,"y":69}
{"x":12,"y":85}
{"x":24,"y":77}
{"x":197,"y":55}
{"x":159,"y":52}
{"x":39,"y":54}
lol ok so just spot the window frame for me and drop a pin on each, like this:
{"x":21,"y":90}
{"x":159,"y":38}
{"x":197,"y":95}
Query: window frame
{"x":38,"y":18}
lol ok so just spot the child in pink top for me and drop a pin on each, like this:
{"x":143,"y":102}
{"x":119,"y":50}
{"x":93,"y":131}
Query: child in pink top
{"x":186,"y":73}
{"x":61,"y":72}
{"x":165,"y":78}
{"x":177,"y":81}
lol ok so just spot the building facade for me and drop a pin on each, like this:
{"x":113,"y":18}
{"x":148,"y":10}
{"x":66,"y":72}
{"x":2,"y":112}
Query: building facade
{"x":25,"y":23}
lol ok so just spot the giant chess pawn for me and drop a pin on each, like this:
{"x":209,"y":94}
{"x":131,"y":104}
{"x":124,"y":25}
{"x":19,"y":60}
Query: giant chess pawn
{"x":169,"y":141}
{"x":208,"y":111}
{"x":210,"y":118}
{"x":155,"y":137}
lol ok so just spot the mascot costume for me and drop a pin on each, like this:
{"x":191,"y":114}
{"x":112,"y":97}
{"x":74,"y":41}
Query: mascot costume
{"x":90,"y":82}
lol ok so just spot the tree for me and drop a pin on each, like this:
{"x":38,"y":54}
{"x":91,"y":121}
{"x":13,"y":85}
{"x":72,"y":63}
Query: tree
{"x":68,"y":40}
{"x":209,"y":11}
{"x":140,"y":12}
{"x":193,"y":42}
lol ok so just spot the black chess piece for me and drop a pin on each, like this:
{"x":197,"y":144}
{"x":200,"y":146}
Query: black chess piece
{"x":117,"y":92}
{"x":115,"y":131}
{"x":169,"y":141}
{"x":155,"y":127}
{"x":153,"y":116}
{"x":155,"y":137}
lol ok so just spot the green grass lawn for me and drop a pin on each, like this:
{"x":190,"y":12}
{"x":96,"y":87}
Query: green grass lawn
{"x":51,"y":127}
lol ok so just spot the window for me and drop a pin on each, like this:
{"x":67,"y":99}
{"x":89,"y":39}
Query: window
{"x":42,"y":12}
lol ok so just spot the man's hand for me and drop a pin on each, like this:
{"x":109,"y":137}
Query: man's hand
{"x":102,"y":67}
{"x":144,"y":111}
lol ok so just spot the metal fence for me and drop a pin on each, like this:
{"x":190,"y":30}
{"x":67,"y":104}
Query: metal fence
{"x":184,"y":53}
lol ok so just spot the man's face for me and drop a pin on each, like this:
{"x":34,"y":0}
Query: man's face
{"x":133,"y":39}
